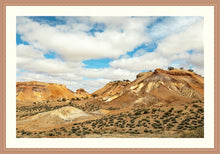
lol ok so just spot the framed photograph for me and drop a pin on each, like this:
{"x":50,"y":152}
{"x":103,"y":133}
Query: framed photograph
{"x":111,"y":77}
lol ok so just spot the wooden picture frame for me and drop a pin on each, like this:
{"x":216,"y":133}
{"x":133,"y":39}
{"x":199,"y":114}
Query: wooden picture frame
{"x":3,"y":6}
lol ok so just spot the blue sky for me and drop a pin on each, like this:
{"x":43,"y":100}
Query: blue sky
{"x":88,"y":52}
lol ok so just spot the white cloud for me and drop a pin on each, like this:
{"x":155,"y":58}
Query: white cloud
{"x":197,"y":59}
{"x":173,"y":48}
{"x":27,"y":51}
{"x":76,"y":44}
{"x":73,"y":43}
{"x":147,"y":61}
{"x":139,"y":53}
{"x":107,"y":73}
{"x":93,"y":85}
{"x":170,"y":25}
{"x":190,"y":39}
{"x":37,"y":67}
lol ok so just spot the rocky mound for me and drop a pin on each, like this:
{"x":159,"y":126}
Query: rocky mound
{"x":33,"y":91}
{"x":161,"y":87}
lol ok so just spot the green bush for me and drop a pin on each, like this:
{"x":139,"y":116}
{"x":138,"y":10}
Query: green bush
{"x":200,"y":110}
{"x":191,"y":70}
{"x":94,"y":95}
{"x":170,"y":68}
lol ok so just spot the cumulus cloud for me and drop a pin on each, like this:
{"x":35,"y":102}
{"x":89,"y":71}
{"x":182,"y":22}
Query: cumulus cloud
{"x":74,"y":39}
{"x":108,"y":73}
{"x":173,"y":48}
{"x":30,"y":59}
{"x":76,"y":44}
{"x":190,"y":39}
{"x":93,"y":85}
{"x":164,"y":26}
{"x":147,"y":61}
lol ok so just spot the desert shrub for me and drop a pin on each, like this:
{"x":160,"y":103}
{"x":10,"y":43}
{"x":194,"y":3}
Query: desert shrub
{"x":153,"y":110}
{"x":94,"y":95}
{"x":58,"y":133}
{"x":200,"y":110}
{"x":191,"y":70}
{"x":179,"y":127}
{"x":138,"y":113}
{"x":171,"y":109}
{"x":170,"y":125}
{"x":170,"y":68}
{"x":51,"y":134}
{"x":23,"y":132}
{"x":78,"y":134}
{"x":126,"y":80}
{"x":146,"y":112}
{"x":74,"y":130}
{"x":146,"y":131}
{"x":195,"y":105}
{"x":179,"y":111}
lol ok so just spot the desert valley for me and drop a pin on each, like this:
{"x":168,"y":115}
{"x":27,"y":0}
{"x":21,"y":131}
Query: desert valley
{"x":159,"y":103}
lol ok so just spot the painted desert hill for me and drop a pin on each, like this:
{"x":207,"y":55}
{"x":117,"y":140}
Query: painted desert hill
{"x":161,"y":87}
{"x":33,"y":91}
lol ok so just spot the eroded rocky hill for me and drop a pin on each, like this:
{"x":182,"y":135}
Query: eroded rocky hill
{"x":33,"y":92}
{"x":160,"y":87}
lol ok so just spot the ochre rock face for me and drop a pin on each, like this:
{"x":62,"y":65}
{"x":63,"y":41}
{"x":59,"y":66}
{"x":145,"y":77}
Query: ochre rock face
{"x":33,"y":91}
{"x":112,"y":89}
{"x":180,"y":82}
{"x":161,"y":86}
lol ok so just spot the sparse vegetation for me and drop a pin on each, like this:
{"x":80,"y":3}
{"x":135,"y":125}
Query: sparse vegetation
{"x":94,"y":95}
{"x":170,"y":68}
{"x":140,"y":121}
{"x":191,"y":70}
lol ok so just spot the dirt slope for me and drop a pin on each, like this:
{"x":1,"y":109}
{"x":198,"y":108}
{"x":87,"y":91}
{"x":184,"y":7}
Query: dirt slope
{"x":52,"y":118}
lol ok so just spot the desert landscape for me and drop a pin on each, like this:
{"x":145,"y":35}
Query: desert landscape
{"x":110,"y":77}
{"x":157,"y":104}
